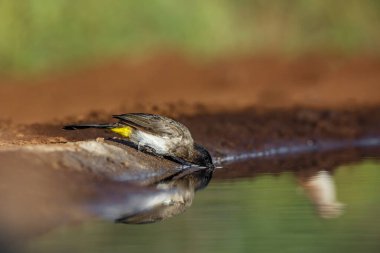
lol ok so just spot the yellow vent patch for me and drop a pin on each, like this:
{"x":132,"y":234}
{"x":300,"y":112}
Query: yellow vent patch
{"x":123,"y":131}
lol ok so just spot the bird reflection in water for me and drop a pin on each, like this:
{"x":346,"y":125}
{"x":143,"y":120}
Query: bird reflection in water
{"x":140,"y":205}
{"x":320,"y":188}
{"x":313,"y":172}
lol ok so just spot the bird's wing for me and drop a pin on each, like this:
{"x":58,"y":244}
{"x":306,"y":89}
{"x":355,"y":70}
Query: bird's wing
{"x":154,"y":124}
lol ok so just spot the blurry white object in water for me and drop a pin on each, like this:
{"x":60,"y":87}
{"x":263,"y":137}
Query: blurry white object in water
{"x":321,"y":190}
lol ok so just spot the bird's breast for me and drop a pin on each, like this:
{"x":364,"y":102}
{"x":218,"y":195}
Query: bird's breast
{"x":160,"y":144}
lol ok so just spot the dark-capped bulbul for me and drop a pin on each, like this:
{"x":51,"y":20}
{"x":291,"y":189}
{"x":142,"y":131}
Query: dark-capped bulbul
{"x":156,"y":134}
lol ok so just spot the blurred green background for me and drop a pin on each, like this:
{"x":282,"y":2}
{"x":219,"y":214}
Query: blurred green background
{"x":40,"y":35}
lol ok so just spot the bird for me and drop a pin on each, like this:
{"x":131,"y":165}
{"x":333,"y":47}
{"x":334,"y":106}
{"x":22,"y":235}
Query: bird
{"x":158,"y":135}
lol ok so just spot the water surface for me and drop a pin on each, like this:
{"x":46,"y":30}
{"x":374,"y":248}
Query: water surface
{"x":264,"y":213}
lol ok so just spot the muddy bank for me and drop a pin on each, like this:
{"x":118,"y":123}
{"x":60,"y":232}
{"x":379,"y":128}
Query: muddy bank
{"x":226,"y":132}
{"x":172,"y":84}
{"x":233,"y":133}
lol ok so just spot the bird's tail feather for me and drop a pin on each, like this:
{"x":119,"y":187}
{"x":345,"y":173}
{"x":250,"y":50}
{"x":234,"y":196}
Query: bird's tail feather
{"x":84,"y":126}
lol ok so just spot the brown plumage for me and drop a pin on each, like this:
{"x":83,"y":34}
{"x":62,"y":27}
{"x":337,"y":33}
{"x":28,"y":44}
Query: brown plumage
{"x":157,"y":134}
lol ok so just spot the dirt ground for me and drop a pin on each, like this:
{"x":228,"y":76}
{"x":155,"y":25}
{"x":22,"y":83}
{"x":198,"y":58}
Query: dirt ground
{"x":171,"y":84}
{"x":177,"y":86}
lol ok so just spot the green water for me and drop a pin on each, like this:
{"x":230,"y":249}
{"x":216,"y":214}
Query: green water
{"x":263,"y":214}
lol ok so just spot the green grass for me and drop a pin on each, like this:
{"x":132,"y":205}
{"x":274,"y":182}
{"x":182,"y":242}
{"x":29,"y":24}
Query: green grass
{"x":38,"y":35}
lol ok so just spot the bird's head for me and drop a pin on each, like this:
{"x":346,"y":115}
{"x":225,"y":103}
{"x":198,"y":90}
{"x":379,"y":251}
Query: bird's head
{"x":202,"y":157}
